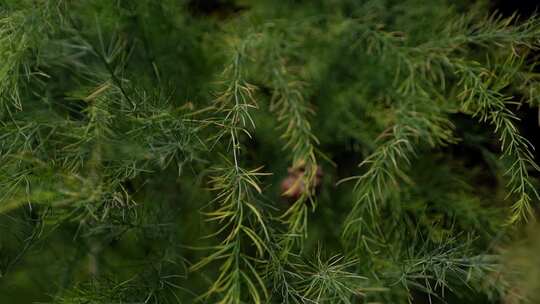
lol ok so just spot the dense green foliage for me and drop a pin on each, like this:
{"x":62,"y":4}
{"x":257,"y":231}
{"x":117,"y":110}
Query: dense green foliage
{"x":143,"y":144}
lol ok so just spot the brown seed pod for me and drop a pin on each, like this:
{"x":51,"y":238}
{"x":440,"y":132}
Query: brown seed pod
{"x":293,"y":186}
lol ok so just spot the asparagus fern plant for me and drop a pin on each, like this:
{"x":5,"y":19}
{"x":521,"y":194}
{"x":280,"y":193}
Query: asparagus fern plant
{"x":261,"y":152}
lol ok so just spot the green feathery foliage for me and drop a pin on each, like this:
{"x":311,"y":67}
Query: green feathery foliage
{"x":260,"y":152}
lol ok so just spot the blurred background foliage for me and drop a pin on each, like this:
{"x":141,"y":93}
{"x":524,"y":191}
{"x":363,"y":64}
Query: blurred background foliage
{"x":130,"y":132}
